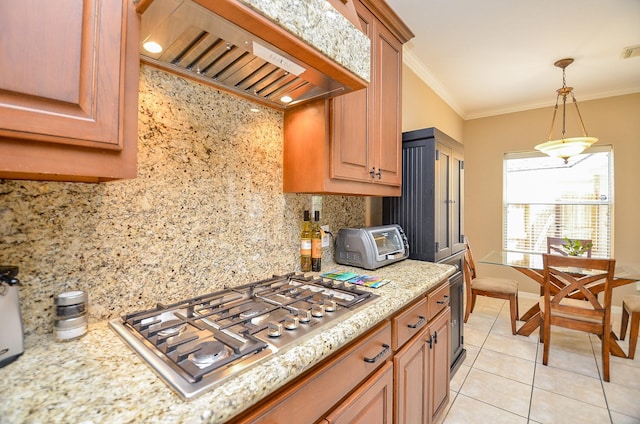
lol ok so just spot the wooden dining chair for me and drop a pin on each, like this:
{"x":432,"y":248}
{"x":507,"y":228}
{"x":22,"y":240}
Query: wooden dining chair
{"x":630,"y":309}
{"x":496,"y":287}
{"x":555,"y":246}
{"x":569,"y":302}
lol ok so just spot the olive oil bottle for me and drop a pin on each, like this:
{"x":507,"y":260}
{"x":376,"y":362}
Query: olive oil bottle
{"x":305,"y":244}
{"x":316,"y":243}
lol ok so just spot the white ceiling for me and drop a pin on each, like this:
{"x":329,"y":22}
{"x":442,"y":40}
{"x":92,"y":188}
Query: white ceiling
{"x":496,"y":56}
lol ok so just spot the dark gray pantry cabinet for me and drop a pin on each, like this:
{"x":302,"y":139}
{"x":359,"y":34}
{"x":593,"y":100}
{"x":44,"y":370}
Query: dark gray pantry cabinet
{"x":430,"y":210}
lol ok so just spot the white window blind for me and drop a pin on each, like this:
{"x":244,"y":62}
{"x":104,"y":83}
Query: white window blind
{"x":544,"y":197}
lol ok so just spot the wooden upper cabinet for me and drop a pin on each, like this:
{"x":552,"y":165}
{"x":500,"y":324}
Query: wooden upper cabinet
{"x":68,"y":90}
{"x":351,"y":144}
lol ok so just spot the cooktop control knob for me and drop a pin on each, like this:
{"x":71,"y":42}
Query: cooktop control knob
{"x":290,"y":322}
{"x":317,"y":311}
{"x":275,"y":329}
{"x":330,"y":305}
{"x":304,"y":316}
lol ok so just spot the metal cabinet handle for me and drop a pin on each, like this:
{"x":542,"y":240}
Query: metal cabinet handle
{"x":444,"y":301}
{"x":420,"y":322}
{"x":373,"y":173}
{"x":430,"y":341}
{"x":435,"y":337}
{"x":379,"y":356}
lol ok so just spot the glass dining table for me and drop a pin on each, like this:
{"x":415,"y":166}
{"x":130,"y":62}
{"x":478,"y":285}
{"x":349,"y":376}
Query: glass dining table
{"x":530,"y":264}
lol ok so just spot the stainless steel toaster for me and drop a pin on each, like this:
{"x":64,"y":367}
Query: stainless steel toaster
{"x":371,"y":247}
{"x":11,"y":335}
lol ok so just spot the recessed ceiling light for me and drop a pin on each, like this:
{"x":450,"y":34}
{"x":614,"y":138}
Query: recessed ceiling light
{"x":286,"y":99}
{"x":152,"y":47}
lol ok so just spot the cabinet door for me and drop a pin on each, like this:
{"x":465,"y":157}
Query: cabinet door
{"x":386,"y":142}
{"x":442,"y":198}
{"x":352,"y":158}
{"x":439,"y":357}
{"x":65,"y":88}
{"x":64,"y":71}
{"x":412,"y":375}
{"x":457,"y":201}
{"x":366,"y":142}
{"x":372,"y":403}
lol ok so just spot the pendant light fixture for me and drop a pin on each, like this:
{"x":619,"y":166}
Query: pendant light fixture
{"x":565,"y":147}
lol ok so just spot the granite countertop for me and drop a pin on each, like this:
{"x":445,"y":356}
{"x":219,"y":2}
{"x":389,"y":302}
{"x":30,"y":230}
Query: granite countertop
{"x":99,"y":379}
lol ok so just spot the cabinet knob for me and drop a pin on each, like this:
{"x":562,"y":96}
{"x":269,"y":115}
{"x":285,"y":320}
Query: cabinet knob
{"x":373,"y":173}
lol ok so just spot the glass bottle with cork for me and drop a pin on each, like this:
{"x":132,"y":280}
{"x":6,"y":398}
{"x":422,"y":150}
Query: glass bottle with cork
{"x":316,"y":243}
{"x":305,"y":244}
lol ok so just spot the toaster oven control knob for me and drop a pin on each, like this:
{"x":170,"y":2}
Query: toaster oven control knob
{"x":275,"y":329}
{"x":317,"y":311}
{"x":290,"y":322}
{"x":330,"y":305}
{"x":304,"y":316}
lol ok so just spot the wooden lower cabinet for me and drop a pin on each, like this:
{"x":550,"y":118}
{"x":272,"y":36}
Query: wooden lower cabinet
{"x":315,"y":394}
{"x":421,"y":371}
{"x":372,"y":403}
{"x":366,"y":382}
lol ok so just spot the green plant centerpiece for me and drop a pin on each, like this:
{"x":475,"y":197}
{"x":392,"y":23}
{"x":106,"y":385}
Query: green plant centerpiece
{"x":576,"y":247}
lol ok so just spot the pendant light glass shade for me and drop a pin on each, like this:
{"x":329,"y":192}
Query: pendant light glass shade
{"x":565,"y":147}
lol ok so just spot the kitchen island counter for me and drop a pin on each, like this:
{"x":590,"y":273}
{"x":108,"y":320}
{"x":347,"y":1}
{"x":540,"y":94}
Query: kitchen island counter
{"x":99,"y":379}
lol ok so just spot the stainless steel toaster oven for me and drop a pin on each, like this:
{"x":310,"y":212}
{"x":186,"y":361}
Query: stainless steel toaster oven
{"x":371,"y":247}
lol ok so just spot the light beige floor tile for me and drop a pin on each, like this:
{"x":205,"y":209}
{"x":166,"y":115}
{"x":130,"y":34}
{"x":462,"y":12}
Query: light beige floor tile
{"x":474,"y":336}
{"x":511,"y":345}
{"x":459,"y":377}
{"x":472,"y":354}
{"x":505,"y":365}
{"x":466,"y":410}
{"x":570,"y":361}
{"x":486,"y":309}
{"x":617,"y":418}
{"x":480,"y":322}
{"x":574,"y":341}
{"x":625,"y":400}
{"x":569,"y":384}
{"x":498,"y":391}
{"x":502,"y":326}
{"x":623,"y":373}
{"x":552,"y":408}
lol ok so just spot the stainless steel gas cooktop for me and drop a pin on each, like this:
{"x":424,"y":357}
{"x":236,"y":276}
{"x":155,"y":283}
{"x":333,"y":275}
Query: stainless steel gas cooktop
{"x":197,"y":343}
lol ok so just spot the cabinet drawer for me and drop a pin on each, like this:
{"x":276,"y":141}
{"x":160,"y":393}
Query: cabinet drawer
{"x":310,"y":397}
{"x":437,"y":300}
{"x":409,"y":323}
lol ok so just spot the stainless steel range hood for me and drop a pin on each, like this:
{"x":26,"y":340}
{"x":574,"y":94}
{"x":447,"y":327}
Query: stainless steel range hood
{"x":199,"y":43}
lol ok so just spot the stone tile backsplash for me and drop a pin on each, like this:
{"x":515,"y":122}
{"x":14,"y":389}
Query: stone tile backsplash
{"x":206,"y":211}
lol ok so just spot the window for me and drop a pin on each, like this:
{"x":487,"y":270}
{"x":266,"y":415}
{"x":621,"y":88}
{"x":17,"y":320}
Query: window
{"x":544,"y":197}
